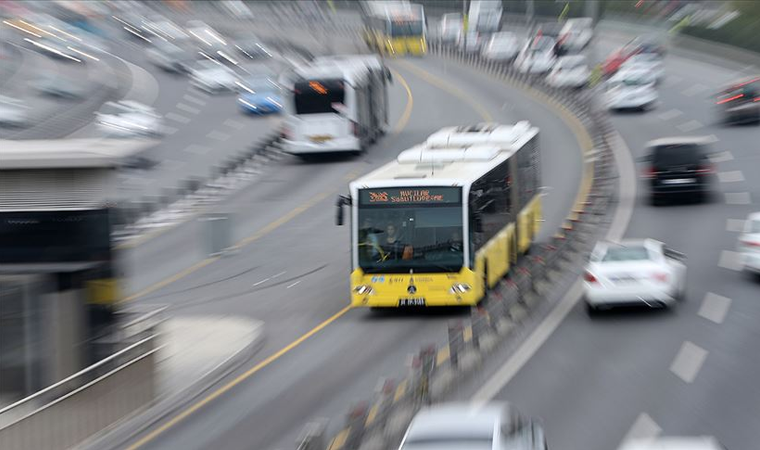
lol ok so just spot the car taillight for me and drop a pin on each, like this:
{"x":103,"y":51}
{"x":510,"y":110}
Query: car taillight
{"x":589,"y":277}
{"x":285,"y":133}
{"x":355,"y":128}
{"x":661,"y":277}
{"x":751,"y":243}
{"x":649,"y":172}
{"x":705,"y":169}
{"x":729,"y":99}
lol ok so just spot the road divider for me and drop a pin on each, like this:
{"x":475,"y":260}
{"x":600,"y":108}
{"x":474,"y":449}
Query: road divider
{"x":435,"y":370}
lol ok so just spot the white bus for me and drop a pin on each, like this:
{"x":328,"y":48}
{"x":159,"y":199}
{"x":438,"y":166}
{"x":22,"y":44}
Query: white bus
{"x":339,"y":104}
{"x":444,"y":222}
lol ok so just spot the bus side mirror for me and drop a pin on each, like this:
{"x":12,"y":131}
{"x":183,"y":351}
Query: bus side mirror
{"x":388,"y":75}
{"x":339,"y":216}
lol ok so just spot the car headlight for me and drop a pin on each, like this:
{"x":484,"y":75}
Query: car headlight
{"x":364,"y":289}
{"x":460,"y":288}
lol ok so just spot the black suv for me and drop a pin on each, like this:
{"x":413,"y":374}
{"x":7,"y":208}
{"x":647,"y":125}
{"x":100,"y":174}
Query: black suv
{"x":679,"y":167}
{"x":740,"y":103}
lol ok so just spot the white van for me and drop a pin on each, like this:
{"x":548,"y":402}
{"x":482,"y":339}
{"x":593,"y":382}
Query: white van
{"x":484,"y":16}
{"x":339,"y":104}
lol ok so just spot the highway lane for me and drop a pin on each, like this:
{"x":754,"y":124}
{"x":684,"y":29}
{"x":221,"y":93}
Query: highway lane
{"x":295,"y":287}
{"x":685,"y":371}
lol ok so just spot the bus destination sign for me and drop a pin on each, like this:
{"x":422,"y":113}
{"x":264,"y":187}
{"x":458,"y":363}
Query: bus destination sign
{"x":409,"y":196}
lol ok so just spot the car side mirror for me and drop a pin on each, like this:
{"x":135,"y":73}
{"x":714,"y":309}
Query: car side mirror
{"x":339,"y":212}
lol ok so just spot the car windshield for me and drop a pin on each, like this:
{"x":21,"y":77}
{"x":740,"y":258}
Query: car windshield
{"x":617,"y":254}
{"x":414,"y":230}
{"x":677,"y":155}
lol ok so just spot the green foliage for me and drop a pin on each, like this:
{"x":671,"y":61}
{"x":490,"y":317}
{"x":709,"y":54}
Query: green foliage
{"x":740,"y":32}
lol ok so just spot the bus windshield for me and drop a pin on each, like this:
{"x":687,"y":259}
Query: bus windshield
{"x":406,"y":28}
{"x":420,"y":234}
{"x":318,"y":96}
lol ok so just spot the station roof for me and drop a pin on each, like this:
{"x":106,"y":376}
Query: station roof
{"x":69,"y":153}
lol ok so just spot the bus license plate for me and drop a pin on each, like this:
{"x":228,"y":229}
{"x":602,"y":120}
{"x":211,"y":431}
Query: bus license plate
{"x":414,"y":301}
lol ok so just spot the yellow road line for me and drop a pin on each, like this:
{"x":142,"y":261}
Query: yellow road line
{"x":448,"y":87}
{"x":400,"y":391}
{"x":340,"y":440}
{"x":404,"y":119}
{"x":372,"y":414}
{"x":196,"y":406}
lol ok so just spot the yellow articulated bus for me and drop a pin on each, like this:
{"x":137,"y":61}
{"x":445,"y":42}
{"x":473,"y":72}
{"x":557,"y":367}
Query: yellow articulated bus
{"x":395,"y":28}
{"x":446,"y":220}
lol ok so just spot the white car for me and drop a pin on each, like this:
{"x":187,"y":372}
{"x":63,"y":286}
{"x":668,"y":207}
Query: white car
{"x":463,"y":426}
{"x":570,"y":71}
{"x":631,"y":89}
{"x":577,"y":33}
{"x":636,"y":272}
{"x":212,"y":76}
{"x":646,"y":62}
{"x":128,"y":118}
{"x":749,"y":244}
{"x":13,"y":112}
{"x":537,"y":56}
{"x":502,"y":46}
{"x":674,"y":443}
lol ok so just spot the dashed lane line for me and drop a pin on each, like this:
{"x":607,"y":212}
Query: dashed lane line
{"x":233,"y":124}
{"x":643,"y":428}
{"x":733,"y":176}
{"x":721,"y":157}
{"x":187,"y":108}
{"x":177,"y":117}
{"x":690,"y":126}
{"x":714,"y":307}
{"x":191,"y":99}
{"x":218,"y":136}
{"x":738,"y":198}
{"x":730,"y":260}
{"x":671,"y":114}
{"x":735,"y":225}
{"x":688,"y":361}
{"x":196,"y":149}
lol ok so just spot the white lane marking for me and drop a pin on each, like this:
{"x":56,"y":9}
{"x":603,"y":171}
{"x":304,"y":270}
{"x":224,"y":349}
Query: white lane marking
{"x":293,"y":284}
{"x":188,"y":108}
{"x":169,"y":130}
{"x":672,"y":114}
{"x":690,"y":126}
{"x":196,"y":149}
{"x":626,"y":202}
{"x":643,"y":428}
{"x":260,"y":282}
{"x":730,"y":260}
{"x":192,"y":99}
{"x":688,"y":361}
{"x":694,"y":90}
{"x":738,"y":198}
{"x":732,"y":176}
{"x":721,"y":157}
{"x":735,"y":225}
{"x":279,"y":274}
{"x":218,"y":136}
{"x":177,"y":117}
{"x":233,"y":124}
{"x":714,"y":307}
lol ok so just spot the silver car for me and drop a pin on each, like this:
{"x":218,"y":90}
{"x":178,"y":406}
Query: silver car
{"x":464,"y":426}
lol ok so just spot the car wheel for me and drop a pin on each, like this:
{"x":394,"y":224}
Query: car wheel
{"x":655,"y":201}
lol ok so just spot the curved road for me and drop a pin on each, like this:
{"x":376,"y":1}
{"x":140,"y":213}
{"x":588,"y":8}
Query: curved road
{"x":291,"y":270}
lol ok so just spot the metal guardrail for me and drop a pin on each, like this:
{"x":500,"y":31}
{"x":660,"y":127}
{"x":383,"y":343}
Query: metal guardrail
{"x":12,"y":416}
{"x":381,"y":422}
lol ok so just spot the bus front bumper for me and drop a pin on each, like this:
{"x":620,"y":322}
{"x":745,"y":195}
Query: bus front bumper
{"x":424,"y":289}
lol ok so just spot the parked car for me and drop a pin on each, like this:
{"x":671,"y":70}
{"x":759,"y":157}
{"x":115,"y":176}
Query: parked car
{"x":646,"y":62}
{"x":129,"y":118}
{"x":679,"y":166}
{"x":576,"y":34}
{"x":634,"y":272}
{"x":471,"y":42}
{"x":740,"y":102}
{"x":749,"y":244}
{"x":463,"y":426}
{"x":170,"y":57}
{"x":502,"y":46}
{"x":537,"y":56}
{"x":570,"y":71}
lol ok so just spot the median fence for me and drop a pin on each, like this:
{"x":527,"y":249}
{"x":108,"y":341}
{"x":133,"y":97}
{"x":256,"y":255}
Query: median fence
{"x":380,"y":422}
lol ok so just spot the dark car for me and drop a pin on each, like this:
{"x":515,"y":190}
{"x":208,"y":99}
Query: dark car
{"x":679,"y":167}
{"x":740,"y":102}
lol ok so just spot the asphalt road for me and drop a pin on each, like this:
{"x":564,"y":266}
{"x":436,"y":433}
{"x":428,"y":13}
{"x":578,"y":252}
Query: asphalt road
{"x":293,"y":272}
{"x":689,"y":371}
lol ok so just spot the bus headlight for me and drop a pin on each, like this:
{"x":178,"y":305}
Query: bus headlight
{"x":460,"y":288}
{"x":364,"y":290}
